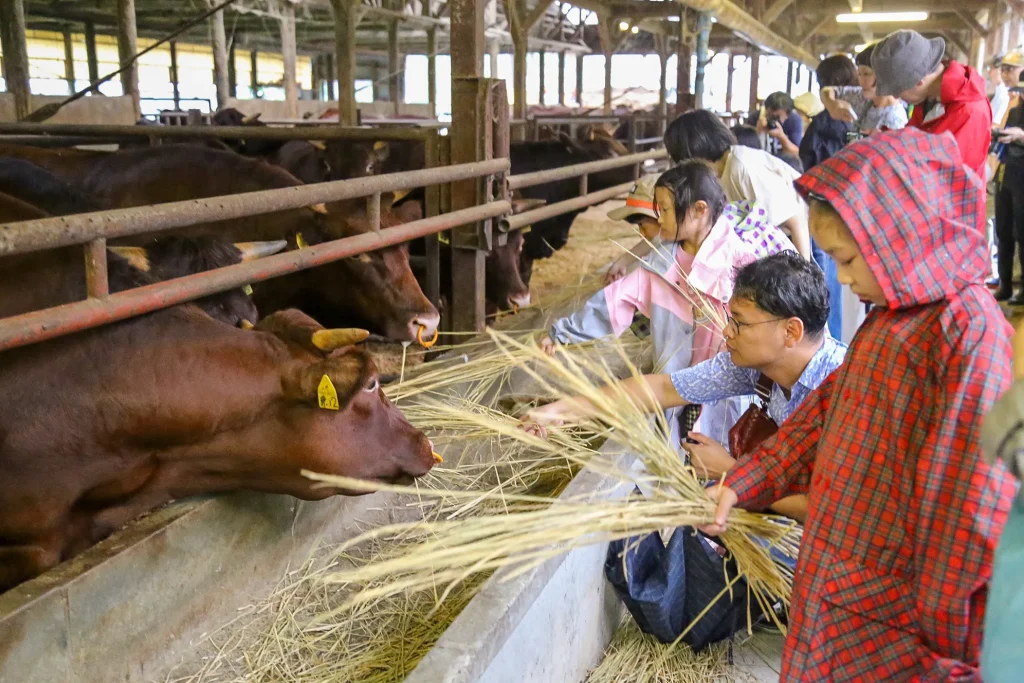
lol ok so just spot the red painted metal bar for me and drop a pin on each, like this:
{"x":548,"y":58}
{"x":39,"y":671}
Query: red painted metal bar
{"x":38,"y":326}
{"x":47,"y":233}
{"x":522,"y":180}
{"x":550,"y":211}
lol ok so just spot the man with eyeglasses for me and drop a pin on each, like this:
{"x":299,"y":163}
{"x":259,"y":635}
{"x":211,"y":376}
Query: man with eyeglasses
{"x":778,"y":312}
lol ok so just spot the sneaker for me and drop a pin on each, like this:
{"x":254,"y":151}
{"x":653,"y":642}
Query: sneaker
{"x":1017,"y":299}
{"x":1003,"y":294}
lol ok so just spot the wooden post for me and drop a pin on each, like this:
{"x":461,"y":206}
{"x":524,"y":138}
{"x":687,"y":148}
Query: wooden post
{"x":755,"y":68}
{"x":561,"y":78}
{"x":394,"y":70}
{"x":90,"y":54}
{"x":329,"y":75}
{"x":127,"y":47}
{"x":789,"y":78}
{"x":69,"y":60}
{"x":289,"y":50}
{"x":176,"y":94}
{"x":232,"y":69}
{"x":254,"y":79}
{"x":219,"y":42}
{"x":470,"y":141}
{"x":432,"y":70}
{"x":608,"y":45}
{"x":540,"y":83}
{"x":345,"y":21}
{"x":683,"y":53}
{"x":15,"y":49}
{"x":703,"y":36}
{"x":730,"y":74}
{"x":579,"y":80}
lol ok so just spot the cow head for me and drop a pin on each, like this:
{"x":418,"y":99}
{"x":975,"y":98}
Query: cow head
{"x":172,"y":257}
{"x":376,"y":289}
{"x":340,"y":422}
{"x":348,"y":159}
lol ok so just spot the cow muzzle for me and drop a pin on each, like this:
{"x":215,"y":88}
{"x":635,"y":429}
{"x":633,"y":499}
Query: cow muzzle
{"x":518,"y":301}
{"x":423,"y":328}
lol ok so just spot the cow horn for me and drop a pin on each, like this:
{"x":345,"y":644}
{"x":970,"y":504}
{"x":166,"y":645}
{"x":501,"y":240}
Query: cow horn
{"x":318,"y":145}
{"x":251,"y":119}
{"x":246,"y":325}
{"x":329,"y":340}
{"x":399,"y":195}
{"x":256,"y":250}
{"x":320,"y":208}
{"x":135,"y":256}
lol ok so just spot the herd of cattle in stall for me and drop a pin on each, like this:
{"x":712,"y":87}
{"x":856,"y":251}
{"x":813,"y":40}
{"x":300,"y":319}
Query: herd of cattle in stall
{"x":101,"y":426}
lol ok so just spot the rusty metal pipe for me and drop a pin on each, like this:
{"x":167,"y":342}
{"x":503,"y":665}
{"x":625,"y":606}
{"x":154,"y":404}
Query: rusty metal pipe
{"x":47,"y":233}
{"x":219,"y":132}
{"x":521,"y":220}
{"x":38,"y":326}
{"x":522,"y":180}
{"x":97,"y":284}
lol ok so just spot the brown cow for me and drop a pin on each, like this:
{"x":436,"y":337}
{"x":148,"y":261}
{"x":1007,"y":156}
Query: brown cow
{"x":375,"y":290}
{"x":103,"y":425}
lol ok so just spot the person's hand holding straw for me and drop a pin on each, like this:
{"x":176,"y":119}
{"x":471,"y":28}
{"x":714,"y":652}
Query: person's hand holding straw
{"x":726,"y":499}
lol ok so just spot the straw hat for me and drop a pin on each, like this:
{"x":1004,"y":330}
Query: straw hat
{"x":1013,"y":58}
{"x":809,"y":103}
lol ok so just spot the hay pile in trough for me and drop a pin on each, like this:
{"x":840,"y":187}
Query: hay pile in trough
{"x":532,"y":529}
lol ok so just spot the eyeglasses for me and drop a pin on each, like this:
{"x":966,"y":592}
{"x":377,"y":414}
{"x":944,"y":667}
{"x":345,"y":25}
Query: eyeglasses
{"x":738,"y":326}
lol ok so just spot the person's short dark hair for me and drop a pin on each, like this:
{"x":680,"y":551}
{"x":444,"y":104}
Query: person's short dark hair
{"x":794,"y":161}
{"x":698,"y":134}
{"x":779,"y":100}
{"x":786,"y":285}
{"x":747,"y":136}
{"x":863,"y":57}
{"x":836,"y":71}
{"x":693,"y":181}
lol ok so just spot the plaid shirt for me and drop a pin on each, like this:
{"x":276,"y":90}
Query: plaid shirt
{"x":904,"y":512}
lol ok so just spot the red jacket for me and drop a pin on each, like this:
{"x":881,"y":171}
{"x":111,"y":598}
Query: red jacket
{"x":964,"y":111}
{"x":904,"y":513}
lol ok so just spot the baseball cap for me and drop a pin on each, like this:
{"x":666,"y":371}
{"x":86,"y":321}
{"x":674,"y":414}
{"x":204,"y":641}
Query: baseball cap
{"x":902,"y":59}
{"x":640,"y":201}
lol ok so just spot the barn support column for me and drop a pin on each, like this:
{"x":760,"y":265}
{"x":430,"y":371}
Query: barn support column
{"x":127,"y":47}
{"x":328,"y":61}
{"x":90,"y":53}
{"x":470,"y":141}
{"x":254,"y":77}
{"x":684,"y":50}
{"x":703,"y":36}
{"x":755,"y":69}
{"x":561,"y":77}
{"x":345,"y":22}
{"x":232,"y":69}
{"x":15,"y":48}
{"x":219,"y":41}
{"x":540,"y":83}
{"x":394,"y":70}
{"x":69,"y":60}
{"x":789,"y":78}
{"x":175,"y":92}
{"x":432,"y":70}
{"x":289,"y":50}
{"x":729,"y":77}
{"x":608,"y":46}
{"x":493,"y":46}
{"x":579,"y":80}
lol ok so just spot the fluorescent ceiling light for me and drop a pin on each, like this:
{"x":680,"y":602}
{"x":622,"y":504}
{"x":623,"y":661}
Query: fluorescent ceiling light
{"x":674,"y":17}
{"x":876,"y":17}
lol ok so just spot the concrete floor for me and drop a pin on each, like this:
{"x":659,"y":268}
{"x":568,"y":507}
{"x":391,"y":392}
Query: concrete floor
{"x":759,"y":657}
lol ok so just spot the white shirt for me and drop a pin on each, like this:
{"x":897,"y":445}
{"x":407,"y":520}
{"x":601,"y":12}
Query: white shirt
{"x":1000,"y":101}
{"x":757,"y":176}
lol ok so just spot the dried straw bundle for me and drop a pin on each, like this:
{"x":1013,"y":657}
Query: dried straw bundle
{"x":532,"y":529}
{"x":635,"y":657}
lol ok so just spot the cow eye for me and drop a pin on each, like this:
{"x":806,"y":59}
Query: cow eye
{"x":373,"y":386}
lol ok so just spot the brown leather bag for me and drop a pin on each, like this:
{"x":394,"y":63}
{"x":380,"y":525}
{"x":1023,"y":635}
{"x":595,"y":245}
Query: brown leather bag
{"x":755,"y":425}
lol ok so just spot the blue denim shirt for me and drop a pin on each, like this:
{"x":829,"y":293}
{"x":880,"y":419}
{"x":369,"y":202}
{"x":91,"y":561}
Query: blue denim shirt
{"x":719,"y":378}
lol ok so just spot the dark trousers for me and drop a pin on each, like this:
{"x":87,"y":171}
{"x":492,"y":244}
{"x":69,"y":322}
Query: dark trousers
{"x":835,"y":290}
{"x":1010,"y":222}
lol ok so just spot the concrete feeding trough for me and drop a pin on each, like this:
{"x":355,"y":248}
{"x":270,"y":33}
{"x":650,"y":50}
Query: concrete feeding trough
{"x":135,"y":606}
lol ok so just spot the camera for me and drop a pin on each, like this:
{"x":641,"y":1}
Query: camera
{"x":773,"y":123}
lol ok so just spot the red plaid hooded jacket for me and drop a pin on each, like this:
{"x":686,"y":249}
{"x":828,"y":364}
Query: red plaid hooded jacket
{"x":904,"y":512}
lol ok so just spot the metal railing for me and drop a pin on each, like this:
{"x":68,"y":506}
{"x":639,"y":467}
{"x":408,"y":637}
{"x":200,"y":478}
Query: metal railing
{"x":93,"y":230}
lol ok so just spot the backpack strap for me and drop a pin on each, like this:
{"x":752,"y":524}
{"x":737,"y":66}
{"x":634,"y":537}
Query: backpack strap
{"x":764,"y":388}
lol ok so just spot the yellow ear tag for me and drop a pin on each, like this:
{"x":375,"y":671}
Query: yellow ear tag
{"x":248,"y":290}
{"x":327,"y":395}
{"x":300,"y":242}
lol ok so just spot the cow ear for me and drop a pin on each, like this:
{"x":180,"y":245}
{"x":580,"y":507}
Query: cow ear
{"x":137,"y":257}
{"x":381,"y":150}
{"x":346,"y":374}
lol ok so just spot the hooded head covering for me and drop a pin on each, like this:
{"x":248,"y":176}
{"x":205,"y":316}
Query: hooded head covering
{"x":913,"y":208}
